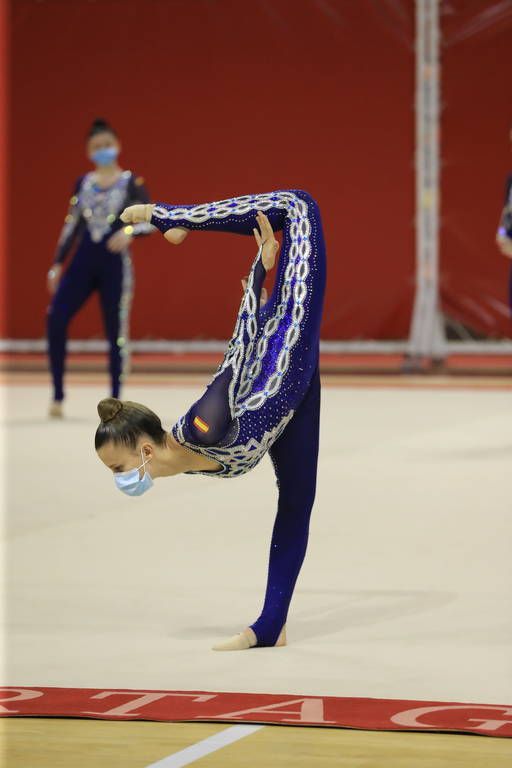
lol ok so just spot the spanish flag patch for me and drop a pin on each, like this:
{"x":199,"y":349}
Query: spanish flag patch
{"x":201,"y":425}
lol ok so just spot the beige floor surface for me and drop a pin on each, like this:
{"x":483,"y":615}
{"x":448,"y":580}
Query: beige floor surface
{"x":405,"y":592}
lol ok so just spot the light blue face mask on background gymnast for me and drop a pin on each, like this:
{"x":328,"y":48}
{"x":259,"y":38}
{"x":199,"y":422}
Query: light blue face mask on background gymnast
{"x":130,"y":483}
{"x":105,"y":156}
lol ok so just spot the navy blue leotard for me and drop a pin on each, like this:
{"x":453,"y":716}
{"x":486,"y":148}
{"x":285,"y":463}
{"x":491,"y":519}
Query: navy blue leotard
{"x":265,"y":395}
{"x":93,"y":216}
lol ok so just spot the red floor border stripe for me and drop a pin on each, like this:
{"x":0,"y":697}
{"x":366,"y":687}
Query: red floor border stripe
{"x":277,"y":709}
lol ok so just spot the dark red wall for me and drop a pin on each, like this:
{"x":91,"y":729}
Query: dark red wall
{"x":4,"y":79}
{"x":214,"y":98}
{"x":477,"y":118}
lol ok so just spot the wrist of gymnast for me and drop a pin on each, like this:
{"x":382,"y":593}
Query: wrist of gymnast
{"x":55,"y":268}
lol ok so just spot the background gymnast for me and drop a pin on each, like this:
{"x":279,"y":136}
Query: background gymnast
{"x":504,"y":233}
{"x":102,"y":259}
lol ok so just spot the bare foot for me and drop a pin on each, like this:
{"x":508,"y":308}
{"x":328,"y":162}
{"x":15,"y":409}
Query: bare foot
{"x":176,"y":235}
{"x":55,"y":410}
{"x":136,"y":214}
{"x":245,"y":640}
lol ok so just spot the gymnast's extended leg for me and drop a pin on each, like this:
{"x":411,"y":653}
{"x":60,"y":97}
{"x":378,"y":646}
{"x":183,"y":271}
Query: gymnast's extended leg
{"x":295,"y":458}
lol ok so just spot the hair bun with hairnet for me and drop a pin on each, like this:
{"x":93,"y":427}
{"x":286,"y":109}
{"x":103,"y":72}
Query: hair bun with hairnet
{"x":109,"y":408}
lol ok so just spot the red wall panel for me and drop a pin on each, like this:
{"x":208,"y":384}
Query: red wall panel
{"x":4,"y":79}
{"x":476,"y":120}
{"x":214,"y":98}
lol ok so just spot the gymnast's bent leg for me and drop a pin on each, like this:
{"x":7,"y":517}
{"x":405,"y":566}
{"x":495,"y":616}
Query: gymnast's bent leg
{"x":284,"y":210}
{"x":234,"y":215}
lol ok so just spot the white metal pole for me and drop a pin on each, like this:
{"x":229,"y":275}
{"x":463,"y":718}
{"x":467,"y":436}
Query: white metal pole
{"x":427,"y":336}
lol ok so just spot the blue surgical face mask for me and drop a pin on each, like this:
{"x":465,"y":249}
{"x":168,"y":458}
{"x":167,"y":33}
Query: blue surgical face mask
{"x":130,"y":483}
{"x":105,"y":156}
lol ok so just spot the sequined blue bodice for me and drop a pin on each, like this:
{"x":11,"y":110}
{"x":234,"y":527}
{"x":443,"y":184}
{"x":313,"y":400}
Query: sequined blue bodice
{"x":94,"y":211}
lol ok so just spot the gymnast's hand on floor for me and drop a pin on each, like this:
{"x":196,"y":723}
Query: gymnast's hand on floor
{"x":265,"y":237}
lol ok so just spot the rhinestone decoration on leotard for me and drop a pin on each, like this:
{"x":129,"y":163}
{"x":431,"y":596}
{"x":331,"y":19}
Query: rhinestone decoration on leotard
{"x":102,"y":206}
{"x":238,"y":459}
{"x":273,"y":351}
{"x":296,"y":272}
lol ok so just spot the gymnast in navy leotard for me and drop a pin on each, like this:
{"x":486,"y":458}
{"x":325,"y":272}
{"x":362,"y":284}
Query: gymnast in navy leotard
{"x":265,"y":395}
{"x":101,"y":261}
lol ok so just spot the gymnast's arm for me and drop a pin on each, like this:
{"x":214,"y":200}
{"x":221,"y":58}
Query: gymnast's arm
{"x":71,"y":231}
{"x":503,"y":239}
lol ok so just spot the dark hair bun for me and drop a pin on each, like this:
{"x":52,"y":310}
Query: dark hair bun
{"x":100,"y":126}
{"x":125,"y":422}
{"x":109,"y":408}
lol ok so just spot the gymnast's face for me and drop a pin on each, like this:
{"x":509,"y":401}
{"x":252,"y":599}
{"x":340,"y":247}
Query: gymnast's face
{"x":121,"y":458}
{"x":103,"y":144}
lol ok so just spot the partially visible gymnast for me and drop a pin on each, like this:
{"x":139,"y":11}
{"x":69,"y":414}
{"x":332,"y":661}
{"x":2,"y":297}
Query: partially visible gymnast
{"x":264,"y":397}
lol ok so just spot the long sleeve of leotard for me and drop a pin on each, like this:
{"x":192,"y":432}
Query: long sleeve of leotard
{"x":74,"y":224}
